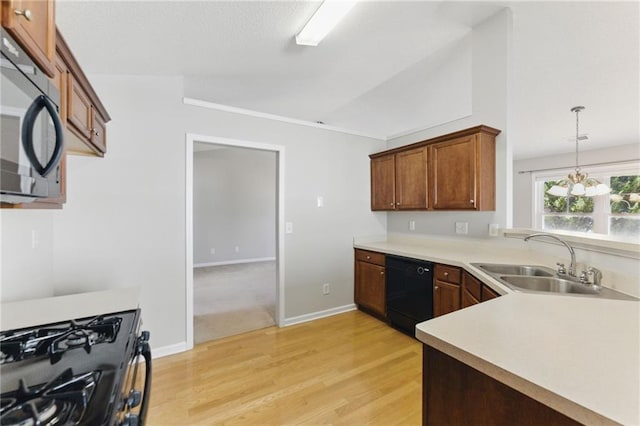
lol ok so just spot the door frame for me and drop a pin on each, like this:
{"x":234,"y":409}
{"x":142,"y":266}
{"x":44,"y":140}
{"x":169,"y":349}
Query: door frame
{"x":191,"y":138}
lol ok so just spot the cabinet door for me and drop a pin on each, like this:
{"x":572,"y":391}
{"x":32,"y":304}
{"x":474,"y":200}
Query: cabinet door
{"x":467,"y":299}
{"x":488,"y":294}
{"x":98,"y":131}
{"x":32,"y":24}
{"x":453,"y":165}
{"x":411,"y":179}
{"x":383,"y":183}
{"x":446,"y":298}
{"x":370,"y":287}
{"x":79,"y":109}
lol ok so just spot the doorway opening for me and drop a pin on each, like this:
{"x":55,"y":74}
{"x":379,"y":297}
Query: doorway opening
{"x":234,"y":236}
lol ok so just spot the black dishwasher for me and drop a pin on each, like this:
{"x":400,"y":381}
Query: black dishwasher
{"x":409,"y":292}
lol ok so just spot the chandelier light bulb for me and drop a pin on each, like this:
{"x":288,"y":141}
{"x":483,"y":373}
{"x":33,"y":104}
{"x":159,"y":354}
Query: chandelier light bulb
{"x":578,"y":189}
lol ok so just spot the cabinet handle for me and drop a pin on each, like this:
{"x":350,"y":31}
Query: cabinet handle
{"x":397,"y":203}
{"x":368,"y":257}
{"x":95,"y":132}
{"x":446,"y":274}
{"x":471,"y":201}
{"x":391,"y":204}
{"x":436,"y":288}
{"x":381,"y":272}
{"x":26,"y":13}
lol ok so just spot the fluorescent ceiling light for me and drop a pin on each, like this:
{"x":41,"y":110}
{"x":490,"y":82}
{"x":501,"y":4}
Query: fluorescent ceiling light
{"x":324,"y":20}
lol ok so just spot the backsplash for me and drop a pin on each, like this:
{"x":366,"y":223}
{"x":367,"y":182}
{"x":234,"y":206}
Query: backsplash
{"x":27,"y":254}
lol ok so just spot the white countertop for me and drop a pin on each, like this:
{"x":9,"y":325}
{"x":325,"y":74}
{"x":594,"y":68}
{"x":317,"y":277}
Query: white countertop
{"x":27,"y":313}
{"x":578,"y":355}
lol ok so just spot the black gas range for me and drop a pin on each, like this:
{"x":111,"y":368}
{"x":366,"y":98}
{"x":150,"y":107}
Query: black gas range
{"x":77,"y":372}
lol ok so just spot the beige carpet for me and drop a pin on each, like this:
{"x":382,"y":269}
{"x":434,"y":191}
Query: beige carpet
{"x":233,"y":299}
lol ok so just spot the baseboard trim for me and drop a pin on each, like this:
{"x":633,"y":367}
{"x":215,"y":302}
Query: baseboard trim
{"x":235,"y":262}
{"x":168,"y":350}
{"x":317,"y":315}
{"x":182,"y":346}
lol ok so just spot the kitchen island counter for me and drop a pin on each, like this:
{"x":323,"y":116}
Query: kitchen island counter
{"x":579,"y":355}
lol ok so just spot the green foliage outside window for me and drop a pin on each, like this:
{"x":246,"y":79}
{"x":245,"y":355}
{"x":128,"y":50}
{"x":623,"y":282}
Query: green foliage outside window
{"x":625,"y":194}
{"x":576,"y":213}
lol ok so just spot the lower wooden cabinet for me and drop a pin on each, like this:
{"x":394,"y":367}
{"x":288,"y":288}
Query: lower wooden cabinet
{"x":454,"y":393}
{"x":369,"y":285}
{"x":446,"y":289}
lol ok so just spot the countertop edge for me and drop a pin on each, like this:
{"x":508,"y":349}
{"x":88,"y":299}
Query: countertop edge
{"x":557,"y":402}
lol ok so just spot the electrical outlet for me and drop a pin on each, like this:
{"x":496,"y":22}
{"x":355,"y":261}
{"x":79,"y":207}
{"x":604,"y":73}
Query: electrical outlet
{"x":412,"y":225}
{"x":494,"y":229}
{"x":213,"y":250}
{"x":237,"y":249}
{"x":326,"y":288}
{"x":320,"y":201}
{"x":288,"y":228}
{"x":462,"y":227}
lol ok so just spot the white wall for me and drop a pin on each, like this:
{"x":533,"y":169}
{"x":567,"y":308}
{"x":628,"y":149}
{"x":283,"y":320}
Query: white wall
{"x":234,"y":205}
{"x":26,"y":254}
{"x":491,"y":46}
{"x":124,"y":221}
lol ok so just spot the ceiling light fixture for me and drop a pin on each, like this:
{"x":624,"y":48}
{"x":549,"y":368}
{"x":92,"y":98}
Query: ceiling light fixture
{"x":578,"y":183}
{"x":324,"y":20}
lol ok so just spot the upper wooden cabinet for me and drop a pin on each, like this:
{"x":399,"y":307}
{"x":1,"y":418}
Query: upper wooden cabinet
{"x":32,"y":24}
{"x":463,"y":173}
{"x":451,"y":172}
{"x":86,"y":115}
{"x":383,"y":171}
{"x":399,"y":181}
{"x":411,"y":179}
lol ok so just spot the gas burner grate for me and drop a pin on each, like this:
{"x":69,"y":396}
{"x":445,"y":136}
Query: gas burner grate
{"x":56,"y":340}
{"x":62,"y":401}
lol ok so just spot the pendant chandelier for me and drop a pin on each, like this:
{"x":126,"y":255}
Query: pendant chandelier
{"x":578,"y":183}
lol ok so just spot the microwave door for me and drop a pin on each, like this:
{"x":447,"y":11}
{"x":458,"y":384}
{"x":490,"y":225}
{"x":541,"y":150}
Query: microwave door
{"x":35,"y":135}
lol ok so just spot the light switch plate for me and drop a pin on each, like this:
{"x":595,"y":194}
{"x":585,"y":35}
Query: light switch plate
{"x":412,"y":225}
{"x":288,"y":227}
{"x":462,"y":227}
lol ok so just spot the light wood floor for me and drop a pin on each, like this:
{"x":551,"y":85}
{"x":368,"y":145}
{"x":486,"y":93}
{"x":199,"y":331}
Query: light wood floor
{"x":348,"y":369}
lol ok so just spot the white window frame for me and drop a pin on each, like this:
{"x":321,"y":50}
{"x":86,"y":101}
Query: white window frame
{"x":601,"y":207}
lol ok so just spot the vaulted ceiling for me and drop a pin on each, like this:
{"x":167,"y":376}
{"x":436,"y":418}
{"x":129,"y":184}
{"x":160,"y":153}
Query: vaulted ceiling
{"x":368,"y":74}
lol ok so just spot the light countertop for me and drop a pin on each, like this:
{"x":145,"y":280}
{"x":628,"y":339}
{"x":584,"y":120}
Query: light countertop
{"x":578,"y":355}
{"x":28,"y":313}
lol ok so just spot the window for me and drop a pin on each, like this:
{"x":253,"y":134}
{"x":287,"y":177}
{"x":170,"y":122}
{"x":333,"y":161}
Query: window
{"x":617,"y":214}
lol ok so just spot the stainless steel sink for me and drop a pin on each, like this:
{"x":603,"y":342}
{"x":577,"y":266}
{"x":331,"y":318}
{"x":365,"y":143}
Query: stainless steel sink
{"x":548,"y":284}
{"x":527,"y":270}
{"x":540,"y":279}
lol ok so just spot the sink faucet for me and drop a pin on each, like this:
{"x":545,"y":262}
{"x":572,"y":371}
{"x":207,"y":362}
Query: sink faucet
{"x":572,"y":266}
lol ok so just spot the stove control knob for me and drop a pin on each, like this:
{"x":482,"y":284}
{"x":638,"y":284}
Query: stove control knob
{"x":135,"y":396}
{"x":130,"y":419}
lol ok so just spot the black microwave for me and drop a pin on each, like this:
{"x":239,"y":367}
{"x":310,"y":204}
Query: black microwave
{"x":31,"y":133}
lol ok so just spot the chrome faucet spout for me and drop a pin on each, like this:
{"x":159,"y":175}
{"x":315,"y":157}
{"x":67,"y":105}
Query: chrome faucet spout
{"x":572,"y":266}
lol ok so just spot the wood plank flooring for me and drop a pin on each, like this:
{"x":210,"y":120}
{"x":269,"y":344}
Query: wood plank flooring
{"x":348,"y":369}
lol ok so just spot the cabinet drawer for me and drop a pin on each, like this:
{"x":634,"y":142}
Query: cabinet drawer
{"x":472,"y":285}
{"x":370,"y":257}
{"x":450,"y":274}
